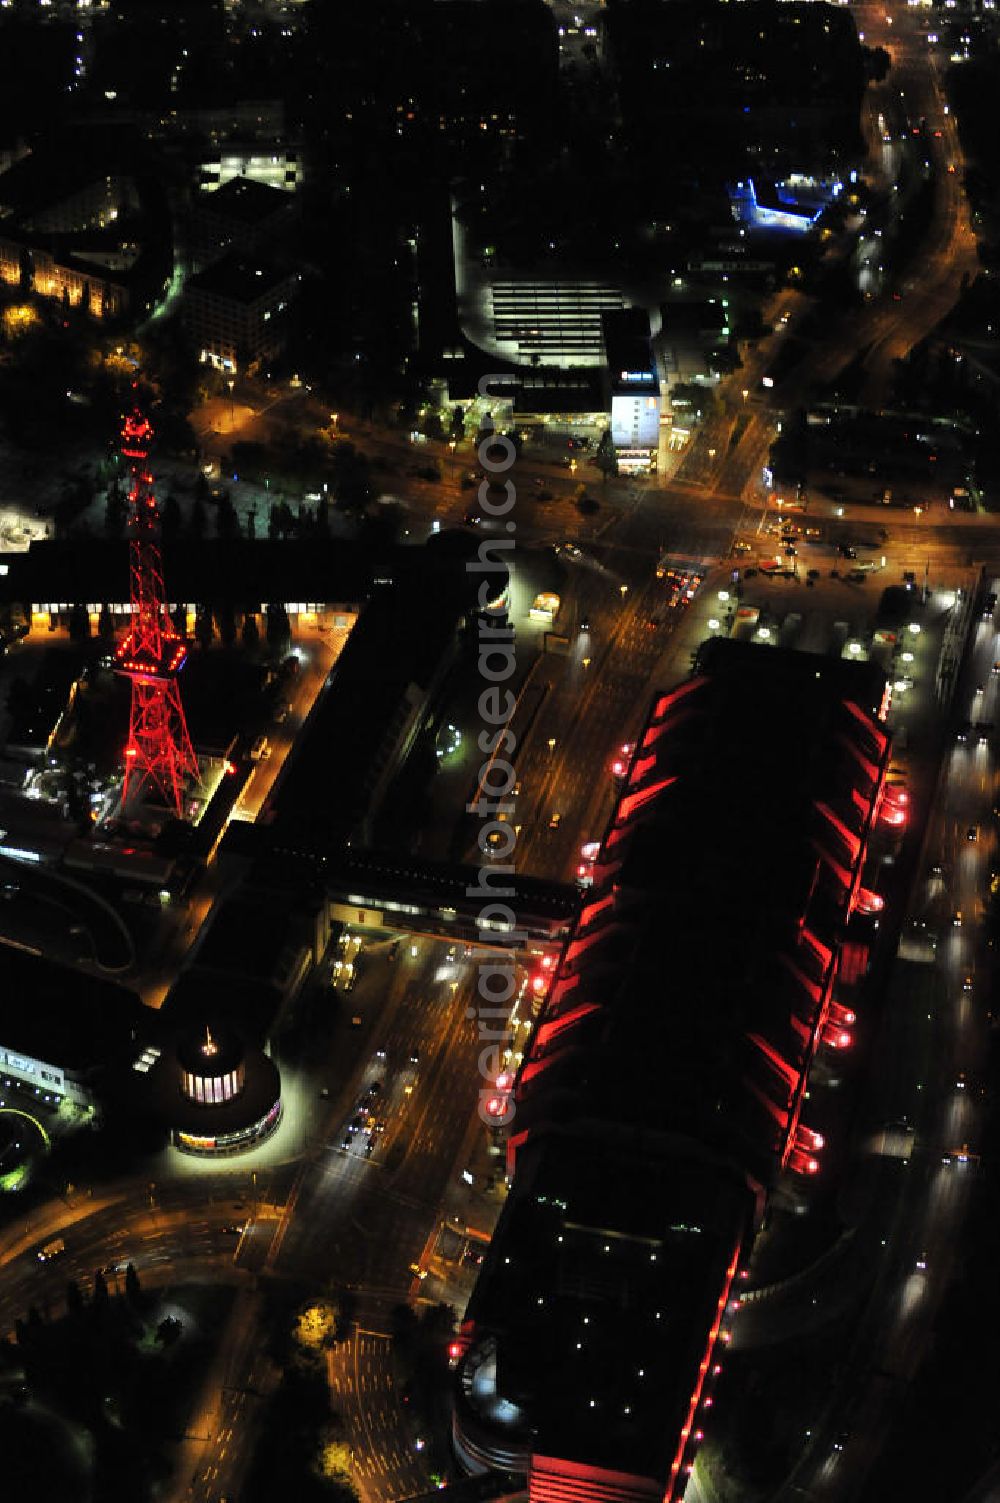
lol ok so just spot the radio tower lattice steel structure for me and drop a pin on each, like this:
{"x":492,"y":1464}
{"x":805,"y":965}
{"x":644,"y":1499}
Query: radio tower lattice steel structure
{"x":159,"y":756}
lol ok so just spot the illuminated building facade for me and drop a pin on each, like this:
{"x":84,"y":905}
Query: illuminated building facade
{"x":234,"y":312}
{"x":635,"y":389}
{"x":660,"y":1097}
{"x":795,"y":204}
{"x":212,"y":1071}
{"x":215,"y":1094}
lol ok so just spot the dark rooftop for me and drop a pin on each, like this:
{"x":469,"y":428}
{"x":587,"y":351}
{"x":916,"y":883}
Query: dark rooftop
{"x":52,"y":1012}
{"x":250,"y":1006}
{"x":238,"y":279}
{"x":245,"y":200}
{"x":667,"y":1069}
{"x":628,"y":349}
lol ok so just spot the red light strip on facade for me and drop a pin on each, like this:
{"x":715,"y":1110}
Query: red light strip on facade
{"x":713,"y":1336}
{"x":841,"y":873}
{"x":675,"y":695}
{"x":640,"y":767}
{"x":554,"y":1027}
{"x":812,"y":987}
{"x":562,"y":986}
{"x":822,"y":951}
{"x":633,"y":801}
{"x":870,"y":769}
{"x":848,"y":836}
{"x":787,"y":1071}
{"x":779,"y":1113}
{"x":879,"y":737}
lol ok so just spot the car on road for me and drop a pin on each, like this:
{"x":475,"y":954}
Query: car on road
{"x":972,"y":833}
{"x":555,"y":821}
{"x":51,"y":1250}
{"x":415,"y":1057}
{"x":584,"y":623}
{"x":846,"y":551}
{"x":473,"y":519}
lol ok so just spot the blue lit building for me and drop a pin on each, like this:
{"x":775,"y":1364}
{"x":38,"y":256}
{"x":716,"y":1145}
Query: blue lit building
{"x":794,"y":204}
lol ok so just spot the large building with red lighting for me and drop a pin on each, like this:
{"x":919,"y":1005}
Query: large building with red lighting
{"x":661,"y":1096}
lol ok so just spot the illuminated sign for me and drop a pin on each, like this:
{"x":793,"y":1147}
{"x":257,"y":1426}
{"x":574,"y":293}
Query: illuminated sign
{"x":637,"y":375}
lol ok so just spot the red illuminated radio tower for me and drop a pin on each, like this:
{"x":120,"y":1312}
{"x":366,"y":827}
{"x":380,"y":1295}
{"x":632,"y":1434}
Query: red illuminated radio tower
{"x":159,"y":756}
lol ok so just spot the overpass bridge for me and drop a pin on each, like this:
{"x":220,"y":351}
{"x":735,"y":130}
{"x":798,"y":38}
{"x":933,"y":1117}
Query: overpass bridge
{"x":484,"y":905}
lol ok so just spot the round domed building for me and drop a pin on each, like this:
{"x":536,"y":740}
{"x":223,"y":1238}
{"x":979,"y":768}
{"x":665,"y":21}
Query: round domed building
{"x":213,"y":1070}
{"x":217,"y":1095}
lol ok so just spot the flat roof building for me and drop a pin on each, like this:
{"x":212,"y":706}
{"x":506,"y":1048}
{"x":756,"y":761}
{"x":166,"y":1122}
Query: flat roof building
{"x":63,"y":1031}
{"x":235,"y":311}
{"x":243,"y":216}
{"x":634,"y":386}
{"x":659,"y":1099}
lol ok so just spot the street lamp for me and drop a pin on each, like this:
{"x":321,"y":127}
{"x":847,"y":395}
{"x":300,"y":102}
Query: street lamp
{"x":746,"y":393}
{"x":232,"y":411}
{"x":624,"y":590}
{"x":552,"y":743}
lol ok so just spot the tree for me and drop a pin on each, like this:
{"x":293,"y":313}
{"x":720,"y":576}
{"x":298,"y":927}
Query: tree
{"x":170,"y":517}
{"x":227,"y":523}
{"x":273,"y":522}
{"x":203,"y":629}
{"x":279,"y":632}
{"x":169,"y":1330}
{"x":106,"y":624}
{"x":323,"y":518}
{"x":199,"y":519}
{"x":225,"y":618}
{"x":79,"y":624}
{"x":102,"y":1298}
{"x":115,"y":511}
{"x":74,"y":1298}
{"x":133,"y":1288}
{"x":250,"y":634}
